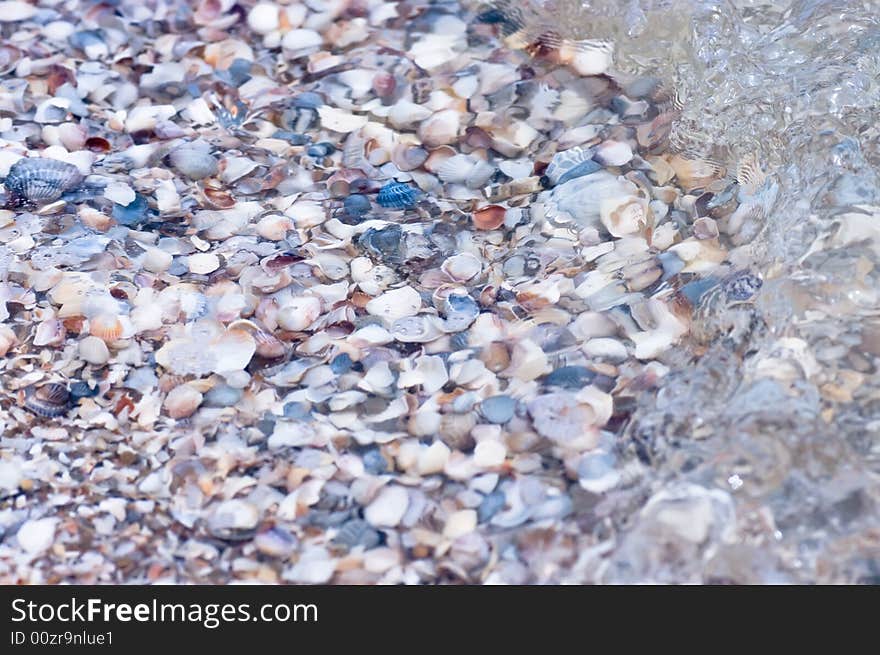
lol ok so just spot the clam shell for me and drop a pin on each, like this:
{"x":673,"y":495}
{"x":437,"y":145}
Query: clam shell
{"x":194,"y":160}
{"x":40,"y":180}
{"x":416,"y":329}
{"x":49,"y":400}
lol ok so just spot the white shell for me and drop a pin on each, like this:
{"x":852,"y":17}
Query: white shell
{"x":441,"y":128}
{"x":395,"y":304}
{"x":613,"y":153}
{"x":299,"y":313}
{"x":623,"y":216}
{"x":263,"y":18}
{"x":340,"y":120}
{"x":463,"y":267}
{"x":94,"y":351}
{"x":182,"y":401}
{"x":203,"y":263}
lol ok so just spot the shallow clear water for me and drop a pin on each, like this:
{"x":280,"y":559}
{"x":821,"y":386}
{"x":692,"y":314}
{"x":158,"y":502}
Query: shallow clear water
{"x":782,"y":415}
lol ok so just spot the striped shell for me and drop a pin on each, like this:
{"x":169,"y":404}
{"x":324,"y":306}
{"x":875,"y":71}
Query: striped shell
{"x":571,"y":163}
{"x":40,"y":180}
{"x":397,"y":195}
{"x":48,"y":401}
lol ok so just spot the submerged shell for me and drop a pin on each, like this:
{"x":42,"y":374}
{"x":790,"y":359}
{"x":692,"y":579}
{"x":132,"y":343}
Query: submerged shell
{"x":41,"y":180}
{"x":49,"y":400}
{"x":571,"y":163}
{"x":398,"y":195}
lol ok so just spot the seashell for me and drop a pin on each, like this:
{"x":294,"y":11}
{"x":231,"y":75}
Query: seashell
{"x":194,"y":160}
{"x":299,"y":313}
{"x":39,"y":180}
{"x":203,"y":263}
{"x":7,"y":339}
{"x":463,"y":267}
{"x":232,"y":350}
{"x":490,"y":217}
{"x":94,"y":351}
{"x":157,"y":260}
{"x":356,"y":206}
{"x":185,"y":357}
{"x":405,"y":114}
{"x":49,"y":400}
{"x":301,"y":43}
{"x":581,"y":199}
{"x":132,"y":214}
{"x":408,"y":157}
{"x":106,"y":327}
{"x":268,"y":346}
{"x":264,"y":18}
{"x":12,"y":11}
{"x":613,"y":153}
{"x":340,"y":120}
{"x":695,"y":174}
{"x":396,"y":304}
{"x":571,"y":163}
{"x":384,"y":84}
{"x":398,"y":195}
{"x":624,"y":216}
{"x":416,"y":329}
{"x":586,"y":57}
{"x":561,"y":418}
{"x":182,"y":401}
{"x":749,"y":174}
{"x":274,"y":227}
{"x":97,"y":144}
{"x":524,"y":186}
{"x":741,"y":286}
{"x":461,"y":312}
{"x":440,"y":129}
{"x":50,"y":332}
{"x":9,"y":57}
{"x":705,"y":228}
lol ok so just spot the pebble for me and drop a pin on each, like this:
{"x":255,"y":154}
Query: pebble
{"x":10,"y":477}
{"x":37,"y":535}
{"x":498,"y":409}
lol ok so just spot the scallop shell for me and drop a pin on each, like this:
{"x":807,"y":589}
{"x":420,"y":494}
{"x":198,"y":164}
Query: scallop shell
{"x":695,"y":174}
{"x":41,"y":180}
{"x":106,"y":327}
{"x":49,"y":400}
{"x":94,"y":351}
{"x":749,"y":174}
{"x":397,"y":195}
{"x":581,"y":199}
{"x":182,"y":401}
